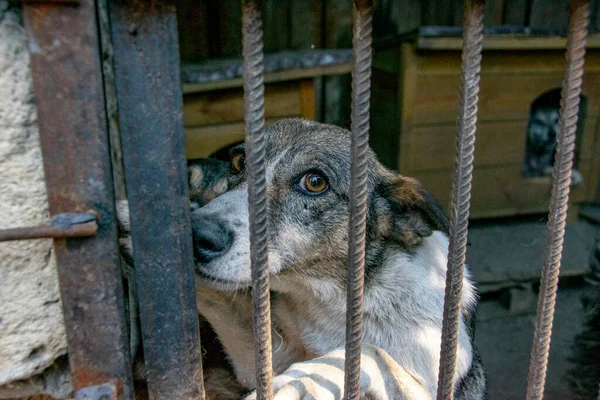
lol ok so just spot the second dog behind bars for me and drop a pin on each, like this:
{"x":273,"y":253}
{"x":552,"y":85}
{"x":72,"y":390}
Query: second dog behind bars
{"x":308,"y":181}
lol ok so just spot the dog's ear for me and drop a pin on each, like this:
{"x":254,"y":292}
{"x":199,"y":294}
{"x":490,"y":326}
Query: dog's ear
{"x":411,"y":213}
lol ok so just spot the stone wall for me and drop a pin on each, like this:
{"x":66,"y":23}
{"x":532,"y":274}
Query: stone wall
{"x":32,"y":334}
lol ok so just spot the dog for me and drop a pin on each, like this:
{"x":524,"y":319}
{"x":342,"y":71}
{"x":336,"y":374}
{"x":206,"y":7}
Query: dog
{"x":542,"y":132}
{"x":308,"y":180}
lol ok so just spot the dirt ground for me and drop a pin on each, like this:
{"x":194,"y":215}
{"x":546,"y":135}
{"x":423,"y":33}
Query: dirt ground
{"x":504,"y":340}
{"x":504,"y":331}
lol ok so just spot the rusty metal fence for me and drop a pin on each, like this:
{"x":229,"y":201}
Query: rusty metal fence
{"x":70,"y":86}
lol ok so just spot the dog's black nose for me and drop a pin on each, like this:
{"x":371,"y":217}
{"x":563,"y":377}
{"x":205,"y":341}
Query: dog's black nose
{"x":211,"y":238}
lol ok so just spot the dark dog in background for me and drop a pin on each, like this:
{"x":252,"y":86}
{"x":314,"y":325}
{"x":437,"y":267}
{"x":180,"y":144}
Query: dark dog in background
{"x":207,"y":178}
{"x":542,"y":132}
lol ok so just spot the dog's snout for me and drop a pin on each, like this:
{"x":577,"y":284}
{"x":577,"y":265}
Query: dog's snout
{"x":212,"y":238}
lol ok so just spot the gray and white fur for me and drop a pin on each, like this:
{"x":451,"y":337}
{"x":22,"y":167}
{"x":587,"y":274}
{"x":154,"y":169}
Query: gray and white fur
{"x":406,"y":256}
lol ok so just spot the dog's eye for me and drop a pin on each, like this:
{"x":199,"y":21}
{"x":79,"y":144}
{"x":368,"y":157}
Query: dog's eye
{"x":313,"y":183}
{"x":238,"y":162}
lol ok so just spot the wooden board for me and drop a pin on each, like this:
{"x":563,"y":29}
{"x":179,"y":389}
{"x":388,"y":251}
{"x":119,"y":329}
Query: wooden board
{"x":192,"y":15}
{"x":307,"y":100}
{"x":514,"y":12}
{"x":272,"y":77}
{"x":493,"y":13}
{"x":203,"y":141}
{"x":550,"y":14}
{"x":524,"y":61}
{"x":227,"y":105}
{"x":506,"y":96}
{"x":500,"y":191}
{"x":384,"y":135}
{"x":276,"y":33}
{"x":431,"y":148}
{"x":215,"y":120}
{"x":228,"y":17}
{"x":503,"y":42}
{"x":305,"y":19}
{"x":338,"y":24}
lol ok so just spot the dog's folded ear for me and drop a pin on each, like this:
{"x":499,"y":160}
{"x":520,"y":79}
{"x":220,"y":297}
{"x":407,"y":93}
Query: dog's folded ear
{"x":411,"y":213}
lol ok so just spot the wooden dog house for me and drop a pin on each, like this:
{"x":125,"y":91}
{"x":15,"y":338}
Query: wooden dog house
{"x":414,"y":107}
{"x":213,"y":95}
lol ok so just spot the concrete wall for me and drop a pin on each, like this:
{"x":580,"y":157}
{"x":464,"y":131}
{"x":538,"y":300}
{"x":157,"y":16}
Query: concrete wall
{"x":32,"y":334}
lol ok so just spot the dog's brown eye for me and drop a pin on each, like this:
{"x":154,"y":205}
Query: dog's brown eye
{"x":238,"y":162}
{"x":313,"y":182}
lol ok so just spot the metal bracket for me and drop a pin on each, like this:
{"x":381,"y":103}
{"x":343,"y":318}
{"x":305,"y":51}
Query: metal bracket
{"x":61,"y":226}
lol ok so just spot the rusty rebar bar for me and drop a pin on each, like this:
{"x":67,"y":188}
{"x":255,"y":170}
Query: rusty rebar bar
{"x":257,"y":193}
{"x":561,"y":179}
{"x":62,"y":226}
{"x":361,"y":95}
{"x":461,"y":192}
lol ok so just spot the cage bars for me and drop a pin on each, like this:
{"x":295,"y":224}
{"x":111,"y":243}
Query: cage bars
{"x":361,"y":95}
{"x":254,"y":117}
{"x":561,"y":179}
{"x":67,"y":83}
{"x":150,"y":103}
{"x":144,"y":37}
{"x":461,"y":192}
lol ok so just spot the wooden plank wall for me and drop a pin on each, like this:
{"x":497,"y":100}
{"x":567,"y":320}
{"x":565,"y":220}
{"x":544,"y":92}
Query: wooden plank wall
{"x":212,"y":28}
{"x":419,"y":89}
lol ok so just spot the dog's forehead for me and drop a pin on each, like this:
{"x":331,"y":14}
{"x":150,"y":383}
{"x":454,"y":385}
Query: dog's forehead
{"x":298,"y":134}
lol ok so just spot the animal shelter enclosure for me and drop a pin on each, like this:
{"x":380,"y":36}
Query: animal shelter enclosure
{"x":111,"y":109}
{"x":414,"y":81}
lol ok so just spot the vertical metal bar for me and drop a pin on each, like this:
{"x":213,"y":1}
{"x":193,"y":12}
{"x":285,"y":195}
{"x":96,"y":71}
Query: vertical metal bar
{"x":361,"y":96}
{"x":561,"y":178}
{"x":67,"y":79}
{"x":116,"y":151}
{"x":254,"y":116}
{"x":461,"y":192}
{"x":148,"y":87}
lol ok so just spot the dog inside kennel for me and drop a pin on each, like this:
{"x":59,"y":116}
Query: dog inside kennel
{"x":312,"y":199}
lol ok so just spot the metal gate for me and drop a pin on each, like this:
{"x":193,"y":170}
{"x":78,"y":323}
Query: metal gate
{"x":103,"y":68}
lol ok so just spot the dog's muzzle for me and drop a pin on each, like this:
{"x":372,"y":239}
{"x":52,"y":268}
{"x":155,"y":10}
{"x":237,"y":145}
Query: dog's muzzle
{"x":221,"y":238}
{"x":212,"y":238}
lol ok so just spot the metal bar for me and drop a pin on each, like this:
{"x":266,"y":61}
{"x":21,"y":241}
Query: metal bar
{"x":254,"y":117}
{"x":461,"y":192}
{"x":561,"y":179}
{"x":67,"y":80}
{"x":49,"y":231}
{"x":361,"y":95}
{"x":112,"y":115}
{"x":148,"y":87}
